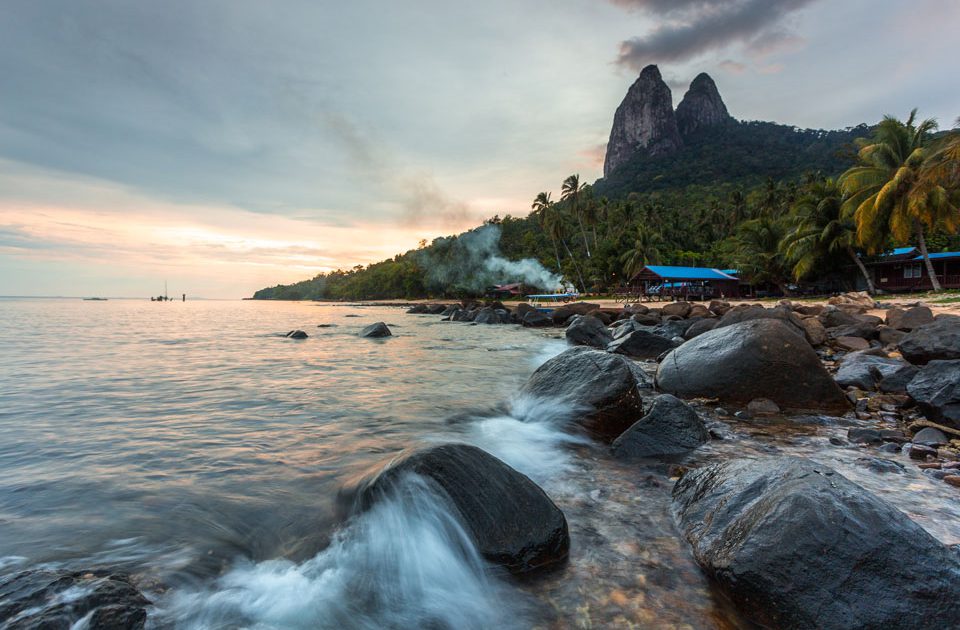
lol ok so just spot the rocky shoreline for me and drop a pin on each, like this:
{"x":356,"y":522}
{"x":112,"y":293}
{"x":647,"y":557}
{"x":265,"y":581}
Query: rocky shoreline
{"x":789,"y":542}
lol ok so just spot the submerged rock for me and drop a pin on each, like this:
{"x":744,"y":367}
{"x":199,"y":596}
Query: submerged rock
{"x":762,"y":358}
{"x":605,"y":385}
{"x":376,"y":330}
{"x":796,"y":545}
{"x":510,"y":518}
{"x":296,"y":334}
{"x":937,"y":341}
{"x":671,"y":427}
{"x":587,"y":330}
{"x":48,"y":600}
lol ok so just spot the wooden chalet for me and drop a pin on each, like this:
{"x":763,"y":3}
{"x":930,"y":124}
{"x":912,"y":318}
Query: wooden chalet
{"x":665,"y":282}
{"x":903,"y":269}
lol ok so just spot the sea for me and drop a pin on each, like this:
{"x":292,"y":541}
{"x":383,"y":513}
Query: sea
{"x":193,"y":446}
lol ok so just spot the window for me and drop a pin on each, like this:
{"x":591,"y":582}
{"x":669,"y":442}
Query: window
{"x":913,"y":271}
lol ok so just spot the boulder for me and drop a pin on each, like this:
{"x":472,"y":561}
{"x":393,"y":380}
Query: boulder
{"x":753,"y":359}
{"x":512,"y":521}
{"x":588,"y":331}
{"x":605,"y":317}
{"x":487,"y":315}
{"x":296,"y":334}
{"x":699,"y":327}
{"x":864,"y":436}
{"x":641,"y":344}
{"x":864,"y":371}
{"x":929,"y":436}
{"x":852,"y":344}
{"x":719,"y":307}
{"x":647,"y":319}
{"x":814,"y":331}
{"x":930,"y":342}
{"x":857,"y":299}
{"x":676,"y":309}
{"x":536,"y":319}
{"x":795,"y":544}
{"x":436,"y":309}
{"x":604,"y":385}
{"x":450,"y":310}
{"x":809,"y":309}
{"x":936,"y":389}
{"x":52,"y":599}
{"x":890,"y":336}
{"x":522,"y":309}
{"x":833,"y":317}
{"x":745,"y":313}
{"x":376,"y":330}
{"x":417,"y":309}
{"x":699,"y":310}
{"x":673,"y":327}
{"x":671,"y":427}
{"x":762,"y":407}
{"x":909,"y":319}
{"x":561,"y":314}
{"x":897,"y":382}
{"x":637,"y":309}
{"x":463,"y":315}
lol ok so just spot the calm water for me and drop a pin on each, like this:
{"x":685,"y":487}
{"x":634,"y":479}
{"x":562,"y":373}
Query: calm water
{"x":194,"y":446}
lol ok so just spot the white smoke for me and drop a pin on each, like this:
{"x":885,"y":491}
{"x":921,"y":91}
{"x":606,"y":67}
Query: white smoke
{"x":473,"y":261}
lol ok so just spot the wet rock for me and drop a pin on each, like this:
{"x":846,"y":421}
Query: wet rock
{"x":487,"y":315}
{"x":376,"y":331}
{"x":936,"y":389}
{"x":909,"y":319}
{"x":815,"y":332}
{"x":852,"y":343}
{"x":326,"y":325}
{"x":673,"y":328}
{"x":296,"y":334}
{"x":796,"y":545}
{"x":934,"y":473}
{"x":418,"y":309}
{"x":864,"y":371}
{"x":604,"y":385}
{"x":897,"y":382}
{"x":588,"y":331}
{"x":536,"y":319}
{"x":880,"y":465}
{"x":919,"y":451}
{"x":929,"y":436}
{"x":864,"y":436}
{"x":450,"y":310}
{"x":699,"y":327}
{"x":671,"y":427}
{"x":953,"y":480}
{"x":838,"y":441}
{"x":676,"y":309}
{"x":561,"y":314}
{"x":641,"y":344}
{"x":753,"y":359}
{"x":937,"y":341}
{"x":889,"y":447}
{"x":512,"y":521}
{"x":763,"y":407}
{"x":893,"y":435}
{"x":51,"y":600}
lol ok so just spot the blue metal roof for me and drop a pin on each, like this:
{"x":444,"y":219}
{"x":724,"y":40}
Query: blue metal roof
{"x":689,"y":273}
{"x":901,"y":251}
{"x":731,"y":272}
{"x":940,"y":255}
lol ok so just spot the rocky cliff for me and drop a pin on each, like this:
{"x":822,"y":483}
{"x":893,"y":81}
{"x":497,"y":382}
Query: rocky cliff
{"x":644,"y":120}
{"x":701,"y":106}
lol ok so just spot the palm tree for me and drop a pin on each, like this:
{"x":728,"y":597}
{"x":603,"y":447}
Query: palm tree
{"x":886,"y":193}
{"x":542,"y":206}
{"x":646,"y":248}
{"x":820,"y":228}
{"x":554,"y":226}
{"x":571,"y":192}
{"x":758,"y":253}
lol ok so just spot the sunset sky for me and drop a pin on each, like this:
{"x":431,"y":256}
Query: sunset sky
{"x":229,"y":145}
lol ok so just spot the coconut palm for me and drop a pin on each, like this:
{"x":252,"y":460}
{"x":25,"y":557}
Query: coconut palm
{"x":646,"y":249}
{"x":554,"y":226}
{"x":542,"y":206}
{"x":573,"y":193}
{"x":758,"y":253}
{"x":820,"y":228}
{"x":886,"y":193}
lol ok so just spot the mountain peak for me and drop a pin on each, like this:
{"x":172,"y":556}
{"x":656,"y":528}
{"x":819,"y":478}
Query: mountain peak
{"x":701,"y":106}
{"x":644,"y":120}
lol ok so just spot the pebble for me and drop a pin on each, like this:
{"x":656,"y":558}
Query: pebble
{"x":953,"y":480}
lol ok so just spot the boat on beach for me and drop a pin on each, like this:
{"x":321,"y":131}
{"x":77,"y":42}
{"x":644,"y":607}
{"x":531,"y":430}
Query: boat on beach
{"x":546,"y":302}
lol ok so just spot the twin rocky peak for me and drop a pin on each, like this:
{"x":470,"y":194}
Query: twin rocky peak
{"x":646,"y":120}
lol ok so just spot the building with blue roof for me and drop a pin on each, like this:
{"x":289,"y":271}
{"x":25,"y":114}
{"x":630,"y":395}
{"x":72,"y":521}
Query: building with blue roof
{"x":673,"y":282}
{"x":903,"y":269}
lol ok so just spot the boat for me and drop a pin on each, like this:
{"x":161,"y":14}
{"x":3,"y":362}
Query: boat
{"x":546,"y":302}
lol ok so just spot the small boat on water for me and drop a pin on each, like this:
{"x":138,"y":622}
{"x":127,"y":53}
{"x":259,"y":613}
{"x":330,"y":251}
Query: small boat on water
{"x":547,"y":302}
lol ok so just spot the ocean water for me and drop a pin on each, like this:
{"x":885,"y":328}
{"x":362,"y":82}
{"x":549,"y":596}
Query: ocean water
{"x":195,"y":447}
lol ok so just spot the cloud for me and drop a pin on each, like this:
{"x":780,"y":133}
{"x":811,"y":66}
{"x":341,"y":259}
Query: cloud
{"x":732,"y":66}
{"x":688,"y":28}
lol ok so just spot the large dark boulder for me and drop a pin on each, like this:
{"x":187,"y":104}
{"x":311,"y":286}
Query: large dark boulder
{"x":418,"y":309}
{"x":833,"y":317}
{"x":864,"y":370}
{"x":376,"y":330}
{"x":796,"y":545}
{"x":762,"y":358}
{"x":536,"y":319}
{"x":604,"y":385}
{"x":587,"y":330}
{"x":54,"y":600}
{"x":939,"y":340}
{"x":512,"y":521}
{"x":936,"y":388}
{"x":641,"y":344}
{"x":700,"y":326}
{"x":561,"y":314}
{"x":751,"y":312}
{"x":676,"y":309}
{"x":671,"y":427}
{"x":897,"y":382}
{"x":910,"y":318}
{"x":489,"y":315}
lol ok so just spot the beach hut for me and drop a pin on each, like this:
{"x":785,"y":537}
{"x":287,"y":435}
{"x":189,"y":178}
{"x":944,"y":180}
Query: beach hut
{"x":666,"y":282}
{"x":903,"y":269}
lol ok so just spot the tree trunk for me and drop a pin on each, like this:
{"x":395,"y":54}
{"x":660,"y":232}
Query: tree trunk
{"x":556,"y":252}
{"x":576,"y":267}
{"x":866,"y":275}
{"x":586,"y":243}
{"x":926,"y":257}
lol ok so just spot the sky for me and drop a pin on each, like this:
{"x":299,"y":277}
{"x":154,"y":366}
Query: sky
{"x":228,"y":145}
